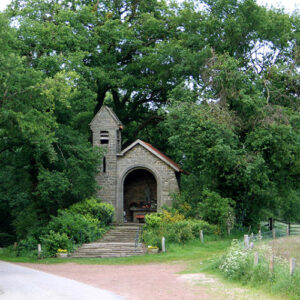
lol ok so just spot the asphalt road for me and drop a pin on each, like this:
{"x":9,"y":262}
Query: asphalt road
{"x":20,"y":283}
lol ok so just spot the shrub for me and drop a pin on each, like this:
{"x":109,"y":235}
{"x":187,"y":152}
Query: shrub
{"x":178,"y":232}
{"x":216,"y":210}
{"x":171,"y":217}
{"x":235,"y":260}
{"x":27,"y":247}
{"x":153,"y":220}
{"x":80,"y":228}
{"x":198,"y":225}
{"x":101,"y":211}
{"x":152,"y":237}
{"x":181,"y":204}
{"x":173,"y":228}
{"x":54,"y":241}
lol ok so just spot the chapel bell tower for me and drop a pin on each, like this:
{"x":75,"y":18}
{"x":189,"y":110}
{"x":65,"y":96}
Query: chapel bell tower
{"x":106,"y":129}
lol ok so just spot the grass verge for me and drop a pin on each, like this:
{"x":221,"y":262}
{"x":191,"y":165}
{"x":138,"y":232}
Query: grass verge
{"x":193,"y":251}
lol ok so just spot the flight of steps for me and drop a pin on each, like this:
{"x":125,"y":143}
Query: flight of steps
{"x":117,"y":242}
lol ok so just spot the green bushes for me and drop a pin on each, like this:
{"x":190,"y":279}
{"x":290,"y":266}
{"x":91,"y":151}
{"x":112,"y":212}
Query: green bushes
{"x":101,"y":211}
{"x":77,"y":226}
{"x":27,"y":247}
{"x":54,"y":241}
{"x":208,"y":206}
{"x":174,"y":228}
{"x":82,"y":222}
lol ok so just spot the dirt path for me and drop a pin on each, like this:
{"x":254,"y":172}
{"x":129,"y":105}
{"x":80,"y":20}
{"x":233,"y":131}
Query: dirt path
{"x":147,"y":282}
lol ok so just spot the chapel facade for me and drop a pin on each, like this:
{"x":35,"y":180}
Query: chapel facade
{"x":136,"y":180}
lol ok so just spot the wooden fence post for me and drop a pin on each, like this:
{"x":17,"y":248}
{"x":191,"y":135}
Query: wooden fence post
{"x":39,"y":250}
{"x":259,"y":235}
{"x":228,"y":230}
{"x":273,"y":233}
{"x":163,"y":244}
{"x":255,"y":258}
{"x":15,"y":245}
{"x":292,"y":266}
{"x":246,"y":241}
{"x":288,"y":230}
{"x":270,"y":224}
{"x":201,"y":236}
{"x":271,"y":266}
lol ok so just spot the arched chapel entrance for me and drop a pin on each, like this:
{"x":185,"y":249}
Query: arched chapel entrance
{"x":140,"y":195}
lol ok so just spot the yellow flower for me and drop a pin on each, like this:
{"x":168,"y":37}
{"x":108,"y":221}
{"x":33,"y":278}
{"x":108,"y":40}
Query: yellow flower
{"x":62,"y":251}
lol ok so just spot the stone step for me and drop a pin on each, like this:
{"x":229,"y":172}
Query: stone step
{"x":110,"y":255}
{"x":117,"y":242}
{"x":109,"y":250}
{"x":96,"y":244}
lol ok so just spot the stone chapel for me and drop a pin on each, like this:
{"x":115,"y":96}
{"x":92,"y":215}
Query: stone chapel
{"x":136,"y":180}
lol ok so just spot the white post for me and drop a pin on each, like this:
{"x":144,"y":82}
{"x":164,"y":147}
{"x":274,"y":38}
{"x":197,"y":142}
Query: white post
{"x":163,"y":244}
{"x":246,"y":241}
{"x":201,"y":236}
{"x":39,"y":250}
{"x":255,"y":258}
{"x":259,"y":235}
{"x":251,"y":245}
{"x":292,"y":266}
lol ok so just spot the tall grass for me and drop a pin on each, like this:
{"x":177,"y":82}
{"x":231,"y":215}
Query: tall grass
{"x":238,"y":265}
{"x":287,"y":247}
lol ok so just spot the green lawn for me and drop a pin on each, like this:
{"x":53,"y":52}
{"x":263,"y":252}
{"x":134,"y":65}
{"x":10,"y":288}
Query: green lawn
{"x":193,"y":251}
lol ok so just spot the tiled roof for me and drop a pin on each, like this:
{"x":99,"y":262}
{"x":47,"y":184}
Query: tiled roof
{"x":163,"y":155}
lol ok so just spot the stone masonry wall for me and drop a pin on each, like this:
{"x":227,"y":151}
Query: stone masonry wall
{"x":139,"y":157}
{"x":107,"y":180}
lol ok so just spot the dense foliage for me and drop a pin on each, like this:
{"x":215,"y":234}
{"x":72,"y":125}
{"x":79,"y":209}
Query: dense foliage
{"x":82,"y":222}
{"x":214,"y":84}
{"x":174,"y":227}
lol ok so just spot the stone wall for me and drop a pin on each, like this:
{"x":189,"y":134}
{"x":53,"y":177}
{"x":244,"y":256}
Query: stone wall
{"x":137,"y":158}
{"x":108,"y":179}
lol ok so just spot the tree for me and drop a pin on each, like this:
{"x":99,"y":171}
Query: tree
{"x":62,"y":59}
{"x":241,"y":147}
{"x":45,"y":162}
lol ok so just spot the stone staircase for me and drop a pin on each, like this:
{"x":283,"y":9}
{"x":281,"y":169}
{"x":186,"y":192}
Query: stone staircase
{"x":117,"y":242}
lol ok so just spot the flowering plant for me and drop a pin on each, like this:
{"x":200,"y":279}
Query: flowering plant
{"x":62,"y":251}
{"x":152,"y":247}
{"x":235,"y":259}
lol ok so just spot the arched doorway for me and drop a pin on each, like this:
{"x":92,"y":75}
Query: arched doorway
{"x":140,"y":195}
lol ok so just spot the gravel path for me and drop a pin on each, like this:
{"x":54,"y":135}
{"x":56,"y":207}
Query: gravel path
{"x":133,"y":282}
{"x":151,"y":282}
